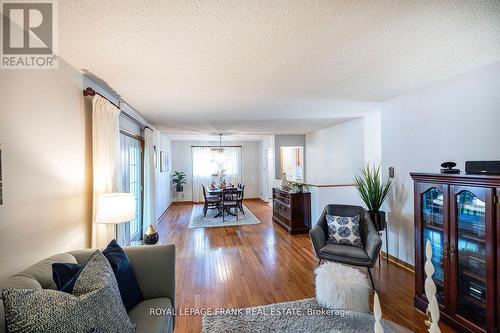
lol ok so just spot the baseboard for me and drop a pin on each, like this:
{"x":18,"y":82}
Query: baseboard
{"x":164,"y":213}
{"x":397,"y":261}
{"x":184,"y":203}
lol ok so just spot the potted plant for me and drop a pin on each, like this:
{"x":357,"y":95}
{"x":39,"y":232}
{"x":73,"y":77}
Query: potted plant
{"x":373,"y":192}
{"x":299,"y":187}
{"x":179,"y":179}
{"x":221,"y":174}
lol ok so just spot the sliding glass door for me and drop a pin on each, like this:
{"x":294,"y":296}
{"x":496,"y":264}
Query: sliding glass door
{"x":131,"y":181}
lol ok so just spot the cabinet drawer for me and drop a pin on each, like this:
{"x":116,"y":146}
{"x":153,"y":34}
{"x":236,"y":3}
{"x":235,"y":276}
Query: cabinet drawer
{"x":282,"y":196}
{"x":281,"y":208}
{"x":283,"y":200}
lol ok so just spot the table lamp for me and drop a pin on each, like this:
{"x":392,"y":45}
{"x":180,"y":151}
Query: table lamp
{"x":114,"y":208}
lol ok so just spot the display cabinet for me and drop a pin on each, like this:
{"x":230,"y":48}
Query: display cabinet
{"x":292,"y":211}
{"x":458,"y":214}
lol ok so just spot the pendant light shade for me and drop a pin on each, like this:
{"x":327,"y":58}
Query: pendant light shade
{"x":220,"y":157}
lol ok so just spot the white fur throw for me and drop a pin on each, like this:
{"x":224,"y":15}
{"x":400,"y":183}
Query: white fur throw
{"x":342,"y":287}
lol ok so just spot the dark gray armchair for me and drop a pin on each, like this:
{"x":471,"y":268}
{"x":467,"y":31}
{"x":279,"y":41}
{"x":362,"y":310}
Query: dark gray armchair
{"x":350,"y":255}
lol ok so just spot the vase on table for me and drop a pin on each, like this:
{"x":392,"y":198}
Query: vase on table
{"x":151,"y":236}
{"x":284,"y":182}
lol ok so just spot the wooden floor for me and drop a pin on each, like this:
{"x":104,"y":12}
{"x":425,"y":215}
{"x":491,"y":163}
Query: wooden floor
{"x":244,"y":266}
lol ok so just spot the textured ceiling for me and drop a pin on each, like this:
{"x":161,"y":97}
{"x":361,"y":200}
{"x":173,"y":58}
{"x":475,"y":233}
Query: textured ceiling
{"x":249,"y":127}
{"x":215,"y":138}
{"x":182,"y":63}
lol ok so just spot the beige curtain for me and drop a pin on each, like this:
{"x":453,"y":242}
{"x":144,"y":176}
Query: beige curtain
{"x":105,"y":162}
{"x":149,"y":179}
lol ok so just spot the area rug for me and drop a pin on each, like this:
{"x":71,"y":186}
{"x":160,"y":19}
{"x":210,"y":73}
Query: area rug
{"x":297,"y":316}
{"x":199,"y":221}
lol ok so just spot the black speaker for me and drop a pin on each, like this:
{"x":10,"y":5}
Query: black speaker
{"x":483,"y":167}
{"x":448,"y":167}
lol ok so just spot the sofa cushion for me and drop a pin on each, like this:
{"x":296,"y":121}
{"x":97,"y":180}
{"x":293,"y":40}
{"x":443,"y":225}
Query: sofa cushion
{"x":42,"y":271}
{"x":160,"y":321}
{"x":19,"y":282}
{"x":344,"y":251}
{"x":94,"y":306}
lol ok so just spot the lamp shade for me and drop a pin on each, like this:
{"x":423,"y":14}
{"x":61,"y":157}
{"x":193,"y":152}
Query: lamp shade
{"x":115,"y":208}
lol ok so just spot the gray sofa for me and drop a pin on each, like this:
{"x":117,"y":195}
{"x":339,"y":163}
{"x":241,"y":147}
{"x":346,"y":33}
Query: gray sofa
{"x":154,"y":268}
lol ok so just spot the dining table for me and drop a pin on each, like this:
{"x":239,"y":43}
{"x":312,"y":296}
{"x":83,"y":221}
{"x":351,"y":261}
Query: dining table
{"x":218,"y":192}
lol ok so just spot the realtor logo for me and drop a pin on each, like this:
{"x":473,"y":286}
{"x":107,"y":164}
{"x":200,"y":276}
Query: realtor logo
{"x":29,"y":34}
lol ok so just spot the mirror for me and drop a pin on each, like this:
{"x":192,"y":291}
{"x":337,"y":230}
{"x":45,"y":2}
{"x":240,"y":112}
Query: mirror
{"x":292,"y":163}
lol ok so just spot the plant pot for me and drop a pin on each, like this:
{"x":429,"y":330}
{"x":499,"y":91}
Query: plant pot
{"x":179,"y":188}
{"x":379,"y":220}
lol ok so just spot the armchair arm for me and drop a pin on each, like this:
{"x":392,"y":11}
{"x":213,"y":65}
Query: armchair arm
{"x":318,"y":238}
{"x":317,"y":234}
{"x":373,"y":243}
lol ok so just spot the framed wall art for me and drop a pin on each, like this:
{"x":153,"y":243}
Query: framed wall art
{"x":164,"y":162}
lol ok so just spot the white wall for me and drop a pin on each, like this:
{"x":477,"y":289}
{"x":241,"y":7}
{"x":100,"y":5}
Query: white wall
{"x":373,"y":137}
{"x":163,"y":197}
{"x":181,"y":161}
{"x":456,"y":120}
{"x":335,"y":154}
{"x":45,"y":132}
{"x":322,"y":196}
{"x":266,"y":174}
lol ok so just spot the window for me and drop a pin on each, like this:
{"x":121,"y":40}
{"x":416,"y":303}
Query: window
{"x":210,"y":162}
{"x":131,"y":182}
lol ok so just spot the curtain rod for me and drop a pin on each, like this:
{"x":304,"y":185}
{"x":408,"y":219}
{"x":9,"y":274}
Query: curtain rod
{"x":91,"y":92}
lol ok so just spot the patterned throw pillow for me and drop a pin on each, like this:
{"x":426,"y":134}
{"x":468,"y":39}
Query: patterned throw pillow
{"x":65,"y":275}
{"x":94,"y":306}
{"x":344,"y":230}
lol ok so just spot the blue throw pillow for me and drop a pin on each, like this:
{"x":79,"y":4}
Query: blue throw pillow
{"x":65,"y":275}
{"x":127,"y":283}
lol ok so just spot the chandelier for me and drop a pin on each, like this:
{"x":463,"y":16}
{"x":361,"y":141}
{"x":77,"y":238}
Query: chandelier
{"x":220,"y":157}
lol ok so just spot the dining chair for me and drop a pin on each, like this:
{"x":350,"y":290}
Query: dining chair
{"x":211,"y":201}
{"x":240,"y":199}
{"x":229,"y":200}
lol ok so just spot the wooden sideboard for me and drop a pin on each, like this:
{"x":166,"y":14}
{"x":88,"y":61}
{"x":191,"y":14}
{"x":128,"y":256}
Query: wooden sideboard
{"x":460,"y":216}
{"x":292,"y":211}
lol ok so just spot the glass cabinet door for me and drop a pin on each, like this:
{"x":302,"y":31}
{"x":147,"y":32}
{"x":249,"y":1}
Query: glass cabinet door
{"x":471,"y":257}
{"x":433,"y":224}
